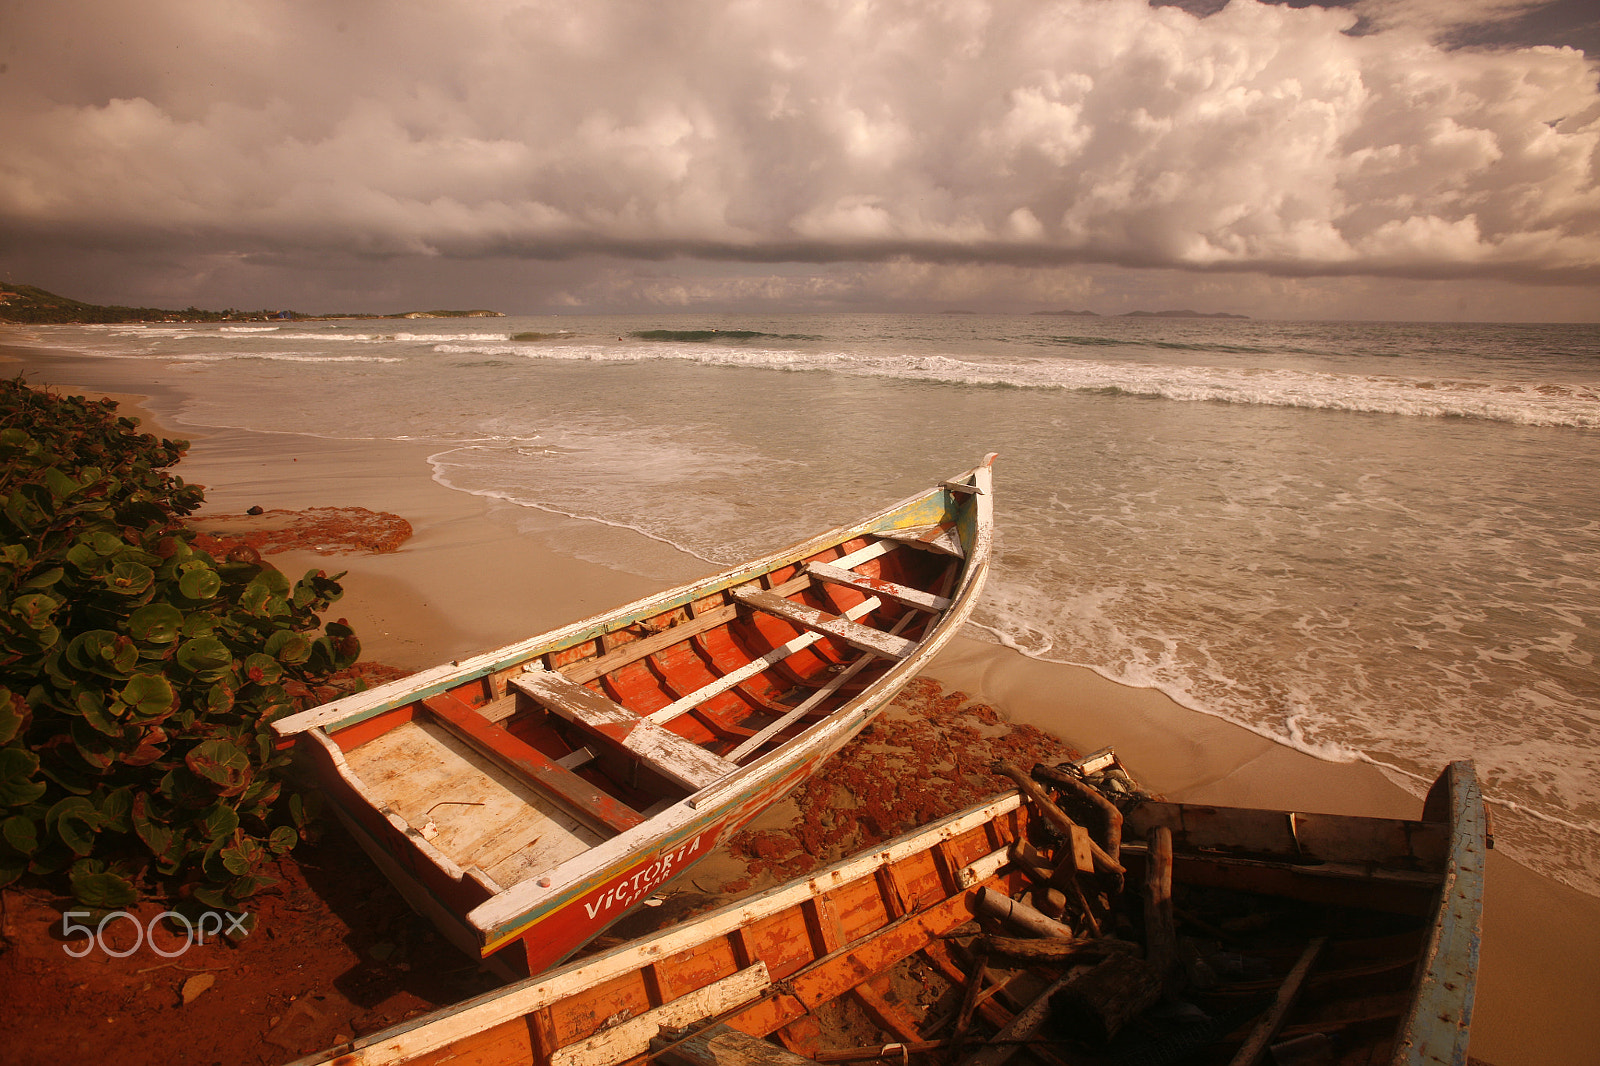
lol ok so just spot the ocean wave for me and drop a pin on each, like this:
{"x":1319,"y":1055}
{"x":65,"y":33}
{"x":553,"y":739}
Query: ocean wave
{"x":442,"y":338}
{"x":1520,"y":403}
{"x":281,"y":357}
{"x":348,"y":338}
{"x":716,"y":336}
{"x":251,"y":329}
{"x":1093,"y":341}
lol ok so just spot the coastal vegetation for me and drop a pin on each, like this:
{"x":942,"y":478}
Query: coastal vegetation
{"x":30,"y":305}
{"x":138,"y":673}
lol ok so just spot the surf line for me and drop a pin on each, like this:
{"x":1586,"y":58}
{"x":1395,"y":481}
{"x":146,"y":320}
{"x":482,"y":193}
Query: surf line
{"x":626,"y":891}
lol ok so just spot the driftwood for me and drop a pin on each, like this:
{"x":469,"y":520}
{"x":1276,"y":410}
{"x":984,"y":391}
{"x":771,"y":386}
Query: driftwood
{"x":1066,"y":881}
{"x":1160,"y":930}
{"x":899,"y":1051}
{"x":1020,"y":915}
{"x":1269,"y":1024}
{"x":1058,"y":818}
{"x":1050,"y":900}
{"x":1027,"y":1022}
{"x":969,"y":997}
{"x":1056,"y":951}
{"x":1094,"y":1006}
{"x":1112,"y":841}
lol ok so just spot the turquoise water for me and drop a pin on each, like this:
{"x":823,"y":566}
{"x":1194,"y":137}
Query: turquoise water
{"x":1368,"y":541}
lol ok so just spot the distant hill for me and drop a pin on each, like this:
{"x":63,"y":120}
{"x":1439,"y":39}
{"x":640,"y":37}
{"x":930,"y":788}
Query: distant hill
{"x":1178,"y":314}
{"x":1074,"y":314}
{"x":32,"y":305}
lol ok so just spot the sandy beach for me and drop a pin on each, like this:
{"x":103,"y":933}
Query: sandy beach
{"x":467,"y":581}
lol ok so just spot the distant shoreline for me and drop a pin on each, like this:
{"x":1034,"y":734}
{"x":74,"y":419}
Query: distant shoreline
{"x":28,"y":305}
{"x":1144,"y":314}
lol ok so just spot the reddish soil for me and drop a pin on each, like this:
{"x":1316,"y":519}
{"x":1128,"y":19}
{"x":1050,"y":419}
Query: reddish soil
{"x":335,"y":952}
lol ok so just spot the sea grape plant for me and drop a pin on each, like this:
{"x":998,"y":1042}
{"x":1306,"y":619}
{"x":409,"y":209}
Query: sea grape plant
{"x":138,"y":674}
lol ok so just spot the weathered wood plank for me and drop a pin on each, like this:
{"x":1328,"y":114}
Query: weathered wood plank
{"x":590,"y":669}
{"x":664,"y":751}
{"x":1255,"y":1045}
{"x":1022,"y":1027}
{"x":863,"y":637}
{"x":585,"y":800}
{"x":632,"y":1037}
{"x":873,"y":586}
{"x":720,"y":1045}
{"x":834,"y":684}
{"x":693,"y":699}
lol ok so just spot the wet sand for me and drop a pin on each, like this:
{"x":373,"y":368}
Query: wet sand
{"x":467,"y":582}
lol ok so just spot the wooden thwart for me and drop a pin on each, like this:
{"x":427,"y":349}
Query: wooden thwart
{"x":722,"y":684}
{"x":863,"y":637}
{"x":580,"y":796}
{"x":664,"y":751}
{"x":706,"y":619}
{"x":872,"y":586}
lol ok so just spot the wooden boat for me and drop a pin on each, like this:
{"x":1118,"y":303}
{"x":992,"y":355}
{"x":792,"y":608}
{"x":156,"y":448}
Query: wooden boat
{"x":1340,"y":939}
{"x":534,"y":794}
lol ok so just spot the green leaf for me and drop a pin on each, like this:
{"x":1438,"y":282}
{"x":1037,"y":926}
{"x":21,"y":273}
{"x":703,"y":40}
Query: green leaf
{"x":17,"y":785}
{"x":183,"y":789}
{"x":102,"y":543}
{"x":218,"y":821}
{"x":157,"y":837}
{"x":13,"y":713}
{"x":243,"y":888}
{"x":149,"y":696}
{"x":212,"y":896}
{"x":44,"y":578}
{"x":262,"y":669}
{"x":21,"y":833}
{"x":219,"y":698}
{"x":206,"y":657}
{"x":115,"y":809}
{"x":103,"y":891}
{"x":92,"y":706}
{"x":75,"y":821}
{"x":100,"y":651}
{"x":60,"y":485}
{"x":129,"y":579}
{"x":156,"y":623}
{"x":241,"y":859}
{"x":92,"y":746}
{"x":288,"y":647}
{"x":35,"y":611}
{"x":281,"y":839}
{"x":219,"y":762}
{"x":198,"y":581}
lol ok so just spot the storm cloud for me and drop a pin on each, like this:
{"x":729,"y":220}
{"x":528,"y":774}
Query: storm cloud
{"x":1284,"y":141}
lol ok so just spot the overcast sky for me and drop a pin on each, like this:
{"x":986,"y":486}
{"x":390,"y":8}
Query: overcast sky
{"x":1417,"y":159}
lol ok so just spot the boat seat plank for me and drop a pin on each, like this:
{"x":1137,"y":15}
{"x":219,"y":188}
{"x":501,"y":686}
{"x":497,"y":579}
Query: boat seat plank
{"x":750,"y":669}
{"x":924,"y":601}
{"x":943,"y":538}
{"x":664,"y":751}
{"x":466,"y":804}
{"x":864,"y":637}
{"x":589,"y":669}
{"x":800,"y":710}
{"x":585,"y":799}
